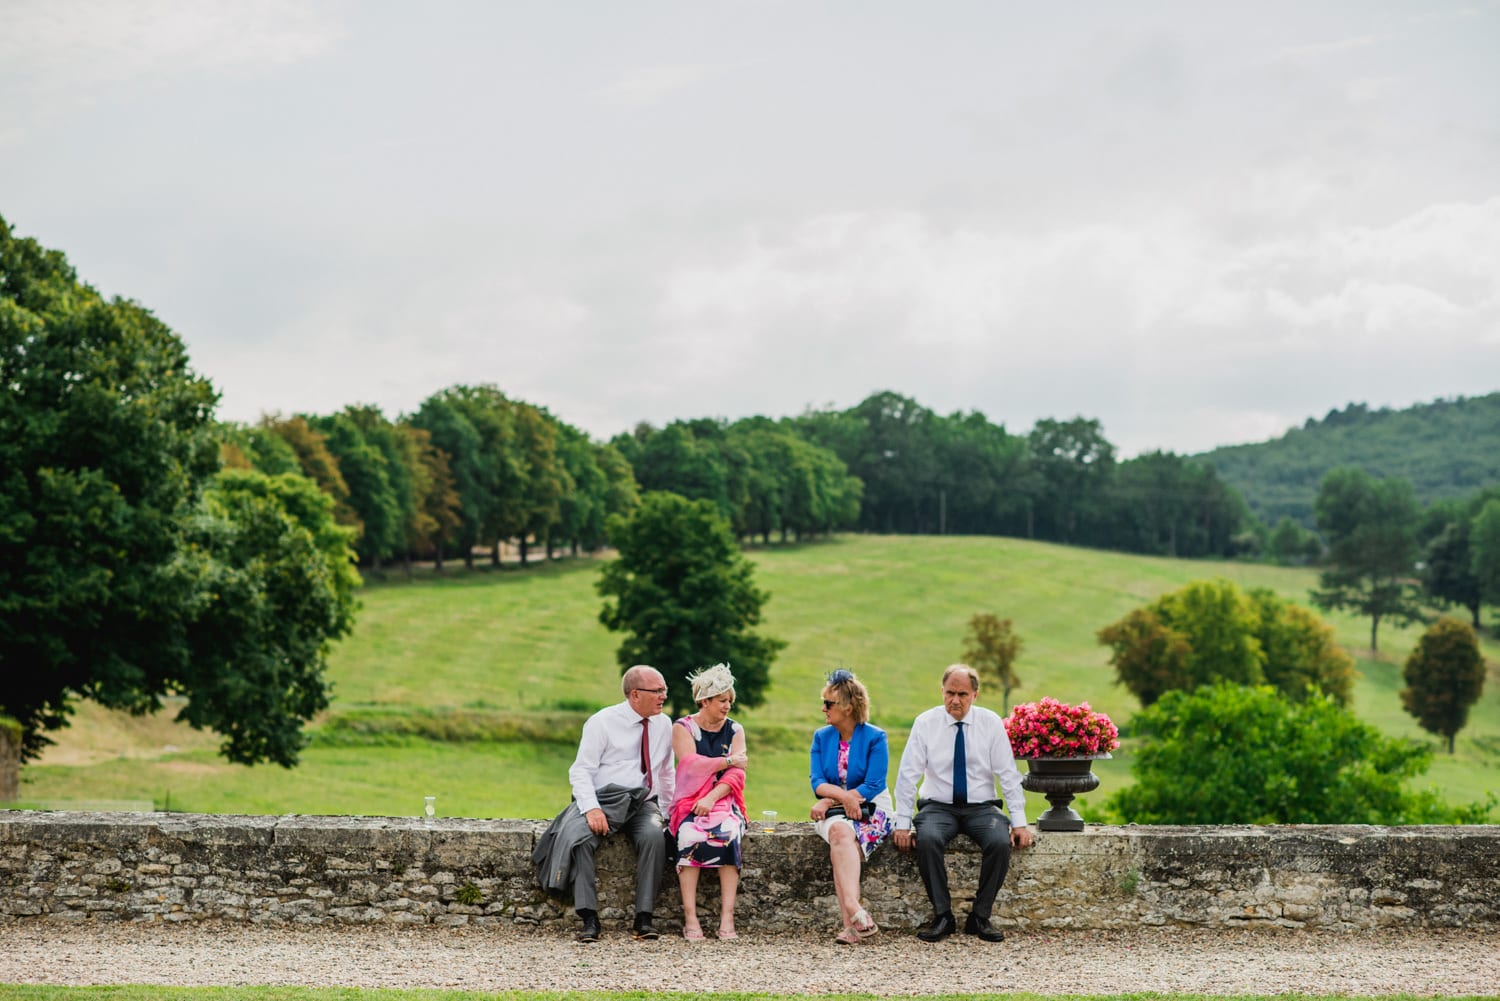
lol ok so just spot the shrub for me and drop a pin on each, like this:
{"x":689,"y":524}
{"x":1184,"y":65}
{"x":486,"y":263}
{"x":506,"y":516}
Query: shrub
{"x":1212,"y":631}
{"x":1231,"y":754}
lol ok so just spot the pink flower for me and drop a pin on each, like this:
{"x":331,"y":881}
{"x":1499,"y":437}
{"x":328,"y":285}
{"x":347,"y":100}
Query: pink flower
{"x":1052,"y":729}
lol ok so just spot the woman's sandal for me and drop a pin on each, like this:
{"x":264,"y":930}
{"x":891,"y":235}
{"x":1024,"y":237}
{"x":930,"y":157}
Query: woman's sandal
{"x":693,"y":934}
{"x":727,"y":935}
{"x":864,"y":925}
{"x":847,"y":936}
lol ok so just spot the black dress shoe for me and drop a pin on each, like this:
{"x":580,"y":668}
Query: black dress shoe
{"x":977,"y":925}
{"x":590,"y":932}
{"x":644,"y":930}
{"x":942,"y":926}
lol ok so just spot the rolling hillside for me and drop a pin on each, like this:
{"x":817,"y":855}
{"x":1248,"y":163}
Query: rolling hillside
{"x":471,"y":686}
{"x":1446,"y":449}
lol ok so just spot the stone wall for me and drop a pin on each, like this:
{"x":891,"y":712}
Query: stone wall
{"x":311,"y":870}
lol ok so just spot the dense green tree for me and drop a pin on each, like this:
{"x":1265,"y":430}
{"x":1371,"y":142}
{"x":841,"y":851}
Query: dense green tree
{"x":1233,"y":754}
{"x":1212,"y":631}
{"x":317,"y":463}
{"x":453,"y":435}
{"x":500,"y":496}
{"x":677,"y":460}
{"x":684,"y":597}
{"x":1371,"y":527}
{"x":580,"y":511}
{"x":1484,"y":539}
{"x":982,"y":473}
{"x":895,"y":459}
{"x":622,"y":494}
{"x":1444,"y":678}
{"x":1290,"y":543}
{"x":435,"y":515}
{"x":1074,"y":464}
{"x":1448,"y":575}
{"x":365,"y":462}
{"x":1300,"y":649}
{"x":544,"y":477}
{"x":127,"y":572}
{"x":251,"y":447}
{"x":1200,"y":634}
{"x":277,"y":588}
{"x":991,"y":647}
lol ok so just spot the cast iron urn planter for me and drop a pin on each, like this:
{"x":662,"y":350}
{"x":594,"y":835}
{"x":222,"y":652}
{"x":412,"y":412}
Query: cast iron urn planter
{"x":1060,"y":779}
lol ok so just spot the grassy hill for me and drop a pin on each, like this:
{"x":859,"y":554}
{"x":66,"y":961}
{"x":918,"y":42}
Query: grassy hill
{"x":472,"y":686}
{"x":1445,"y":449}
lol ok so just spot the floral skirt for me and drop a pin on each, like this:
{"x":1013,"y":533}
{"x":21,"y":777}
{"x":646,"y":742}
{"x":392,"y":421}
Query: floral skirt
{"x":711,"y":847}
{"x":868,"y":834}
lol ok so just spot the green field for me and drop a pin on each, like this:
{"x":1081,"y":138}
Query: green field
{"x":520,"y":655}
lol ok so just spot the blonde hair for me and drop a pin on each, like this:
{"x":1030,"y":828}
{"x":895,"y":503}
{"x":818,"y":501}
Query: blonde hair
{"x":847,"y":690}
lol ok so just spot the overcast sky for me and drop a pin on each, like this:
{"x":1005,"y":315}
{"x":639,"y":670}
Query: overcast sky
{"x":1200,"y":223}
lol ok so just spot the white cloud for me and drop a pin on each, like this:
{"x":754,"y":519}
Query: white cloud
{"x":78,"y":47}
{"x":645,"y":85}
{"x":1317,"y":51}
{"x":1133,"y":315}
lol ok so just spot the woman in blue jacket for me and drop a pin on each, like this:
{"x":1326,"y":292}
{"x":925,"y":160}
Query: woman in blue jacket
{"x":849,"y":760}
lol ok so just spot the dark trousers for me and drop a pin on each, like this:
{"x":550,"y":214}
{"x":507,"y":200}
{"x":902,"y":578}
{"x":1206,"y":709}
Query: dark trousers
{"x":644,"y":829}
{"x":936,"y":824}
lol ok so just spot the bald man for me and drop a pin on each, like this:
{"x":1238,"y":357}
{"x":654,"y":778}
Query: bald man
{"x":622,"y":781}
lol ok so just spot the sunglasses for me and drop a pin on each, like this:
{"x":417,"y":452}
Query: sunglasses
{"x":829,"y":703}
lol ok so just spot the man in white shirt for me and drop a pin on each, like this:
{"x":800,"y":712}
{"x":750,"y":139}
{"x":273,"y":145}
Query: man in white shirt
{"x":622,"y":780}
{"x":960,"y":800}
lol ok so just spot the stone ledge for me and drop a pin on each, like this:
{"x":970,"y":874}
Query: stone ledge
{"x":314,"y":870}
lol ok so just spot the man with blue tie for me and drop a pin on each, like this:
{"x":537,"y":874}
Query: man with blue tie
{"x":959,"y":752}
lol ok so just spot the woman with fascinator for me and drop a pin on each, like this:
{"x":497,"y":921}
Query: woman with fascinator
{"x":708,"y":815}
{"x":853,"y":812}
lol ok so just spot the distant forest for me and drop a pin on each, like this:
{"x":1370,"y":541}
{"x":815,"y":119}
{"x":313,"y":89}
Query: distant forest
{"x":1446,"y":450}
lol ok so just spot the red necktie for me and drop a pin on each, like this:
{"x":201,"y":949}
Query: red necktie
{"x":646,"y":751}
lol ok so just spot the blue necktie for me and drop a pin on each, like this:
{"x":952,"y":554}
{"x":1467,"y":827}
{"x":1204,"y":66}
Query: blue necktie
{"x":960,"y":768}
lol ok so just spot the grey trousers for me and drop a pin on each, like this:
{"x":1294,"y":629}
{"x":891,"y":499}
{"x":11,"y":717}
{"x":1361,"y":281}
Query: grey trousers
{"x":644,"y":828}
{"x":936,"y":824}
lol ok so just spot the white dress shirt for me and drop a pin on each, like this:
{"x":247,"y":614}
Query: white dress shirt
{"x":609,"y":753}
{"x":929,"y":758}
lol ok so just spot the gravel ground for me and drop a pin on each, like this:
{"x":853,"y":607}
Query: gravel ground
{"x":1456,"y":962}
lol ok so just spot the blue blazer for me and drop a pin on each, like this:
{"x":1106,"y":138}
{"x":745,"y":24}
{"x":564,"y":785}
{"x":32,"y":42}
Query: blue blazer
{"x":869,"y":758}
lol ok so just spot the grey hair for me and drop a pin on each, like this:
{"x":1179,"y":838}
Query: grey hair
{"x":712,"y":681}
{"x":966,"y":671}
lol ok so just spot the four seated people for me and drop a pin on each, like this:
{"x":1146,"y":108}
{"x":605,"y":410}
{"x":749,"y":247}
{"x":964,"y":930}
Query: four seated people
{"x":624,"y":781}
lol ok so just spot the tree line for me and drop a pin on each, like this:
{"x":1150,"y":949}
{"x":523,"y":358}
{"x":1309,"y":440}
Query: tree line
{"x":472,"y":469}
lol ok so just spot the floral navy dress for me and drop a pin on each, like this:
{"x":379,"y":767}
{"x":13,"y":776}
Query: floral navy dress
{"x":712,"y":841}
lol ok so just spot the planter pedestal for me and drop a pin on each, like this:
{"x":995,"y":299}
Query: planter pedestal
{"x":1060,"y":779}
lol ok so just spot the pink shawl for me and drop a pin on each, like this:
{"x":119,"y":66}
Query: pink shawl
{"x":697,"y":775}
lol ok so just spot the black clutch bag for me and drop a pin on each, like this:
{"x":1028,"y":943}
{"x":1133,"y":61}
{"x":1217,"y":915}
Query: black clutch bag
{"x":866,"y":810}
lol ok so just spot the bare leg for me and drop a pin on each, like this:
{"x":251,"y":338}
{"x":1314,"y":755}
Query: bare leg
{"x":687,"y":879}
{"x":844,"y":854}
{"x":729,"y":884}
